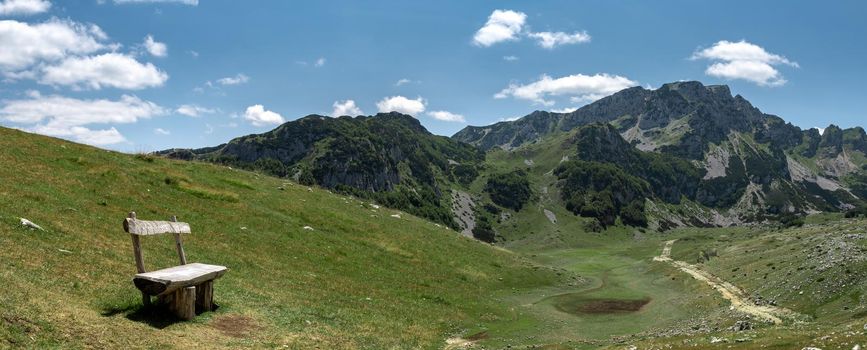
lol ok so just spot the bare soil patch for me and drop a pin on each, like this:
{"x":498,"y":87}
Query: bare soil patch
{"x":609,"y":306}
{"x":237,"y":326}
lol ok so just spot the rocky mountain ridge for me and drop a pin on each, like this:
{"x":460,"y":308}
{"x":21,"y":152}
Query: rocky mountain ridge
{"x":693,"y":155}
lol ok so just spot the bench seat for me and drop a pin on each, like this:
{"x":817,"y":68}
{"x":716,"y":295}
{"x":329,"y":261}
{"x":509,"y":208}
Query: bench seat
{"x":165,"y":281}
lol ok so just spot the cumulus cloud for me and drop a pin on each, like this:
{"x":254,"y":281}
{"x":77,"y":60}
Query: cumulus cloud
{"x":26,"y":44}
{"x":579,"y":87}
{"x":193,"y":110}
{"x":319,"y":62}
{"x":183,"y":2}
{"x":550,"y":40}
{"x":509,"y":119}
{"x":565,"y":110}
{"x":154,"y":47}
{"x":259,"y":116}
{"x":64,"y":53}
{"x":447,"y":116}
{"x":240,"y":78}
{"x":508,"y":25}
{"x":745,"y":61}
{"x":346,"y":107}
{"x":69,"y":117}
{"x":161,"y":131}
{"x":402,"y":82}
{"x":105,"y":70}
{"x":502,"y":25}
{"x":23,"y":7}
{"x":402,"y":105}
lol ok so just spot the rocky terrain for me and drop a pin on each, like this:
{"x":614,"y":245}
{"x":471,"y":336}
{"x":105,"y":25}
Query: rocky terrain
{"x":693,"y":155}
{"x":389,"y":157}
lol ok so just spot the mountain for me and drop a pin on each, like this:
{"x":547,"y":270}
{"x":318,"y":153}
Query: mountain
{"x":684,"y":144}
{"x":388,"y":157}
{"x":685,"y":154}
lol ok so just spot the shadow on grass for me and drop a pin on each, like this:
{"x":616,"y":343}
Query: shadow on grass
{"x":155,"y":315}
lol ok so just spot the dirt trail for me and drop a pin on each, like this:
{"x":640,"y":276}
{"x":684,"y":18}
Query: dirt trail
{"x":739,"y":299}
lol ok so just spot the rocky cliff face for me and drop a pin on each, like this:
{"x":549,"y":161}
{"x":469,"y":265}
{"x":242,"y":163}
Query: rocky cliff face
{"x":390,"y":157}
{"x":750,"y":164}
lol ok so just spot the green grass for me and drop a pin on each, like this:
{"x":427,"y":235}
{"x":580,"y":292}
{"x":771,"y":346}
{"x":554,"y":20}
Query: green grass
{"x":360,"y":279}
{"x":364,"y":279}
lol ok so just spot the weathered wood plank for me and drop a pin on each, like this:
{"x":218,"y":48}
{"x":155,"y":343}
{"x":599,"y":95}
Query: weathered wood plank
{"x":168,"y":280}
{"x":179,"y":245}
{"x":145,"y":227}
{"x":183,"y":304}
{"x":205,"y":296}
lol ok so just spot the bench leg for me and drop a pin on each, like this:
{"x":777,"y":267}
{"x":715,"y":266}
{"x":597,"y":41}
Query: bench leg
{"x":205,"y":296}
{"x":183,"y":303}
{"x":146,"y":299}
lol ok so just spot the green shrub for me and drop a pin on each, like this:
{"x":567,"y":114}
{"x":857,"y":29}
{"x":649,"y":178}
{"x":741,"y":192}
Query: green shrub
{"x":510,"y":190}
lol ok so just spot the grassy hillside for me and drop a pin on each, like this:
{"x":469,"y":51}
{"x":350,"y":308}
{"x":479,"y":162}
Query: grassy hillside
{"x":361,"y":278}
{"x":367,"y":276}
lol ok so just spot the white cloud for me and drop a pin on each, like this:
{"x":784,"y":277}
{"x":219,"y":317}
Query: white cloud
{"x":320,"y":62}
{"x":509,"y":119}
{"x":23,"y":7}
{"x":183,"y":2}
{"x":161,"y":131}
{"x":447,"y":116}
{"x":346,"y":107}
{"x":502,"y":25}
{"x":193,"y":53}
{"x":401,"y":104}
{"x":194,"y":110}
{"x":82,"y":134}
{"x":237,"y":79}
{"x":403,"y":81}
{"x":565,"y":110}
{"x":105,"y":70}
{"x":580,"y":88}
{"x":510,"y":58}
{"x":745,"y":61}
{"x":258,"y":116}
{"x":68,"y":117}
{"x":550,"y":40}
{"x":155,"y":48}
{"x":508,"y":25}
{"x":25,"y":44}
{"x":821,"y":130}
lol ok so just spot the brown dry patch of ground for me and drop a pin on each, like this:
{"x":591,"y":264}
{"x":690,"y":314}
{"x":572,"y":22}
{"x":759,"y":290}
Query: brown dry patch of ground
{"x":236,"y":326}
{"x":608,"y":306}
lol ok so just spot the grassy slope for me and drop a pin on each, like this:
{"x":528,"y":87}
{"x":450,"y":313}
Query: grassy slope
{"x":361,"y":279}
{"x":621,"y":255}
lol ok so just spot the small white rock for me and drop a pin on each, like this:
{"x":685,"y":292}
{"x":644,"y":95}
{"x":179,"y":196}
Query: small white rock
{"x":30,"y":224}
{"x":308,"y":228}
{"x":396,"y":216}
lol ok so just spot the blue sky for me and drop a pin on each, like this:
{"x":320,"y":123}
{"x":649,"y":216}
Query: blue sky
{"x":140,"y":75}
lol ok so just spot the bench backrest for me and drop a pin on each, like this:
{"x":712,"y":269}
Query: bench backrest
{"x":138,"y":228}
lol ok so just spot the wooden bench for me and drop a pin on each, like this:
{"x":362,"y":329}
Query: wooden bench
{"x":183,"y":288}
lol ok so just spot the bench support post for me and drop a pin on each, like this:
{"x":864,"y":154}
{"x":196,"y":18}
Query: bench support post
{"x":205,"y":296}
{"x":183,"y":303}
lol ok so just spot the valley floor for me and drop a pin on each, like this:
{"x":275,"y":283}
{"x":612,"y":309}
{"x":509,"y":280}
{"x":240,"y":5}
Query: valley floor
{"x":642,"y":292}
